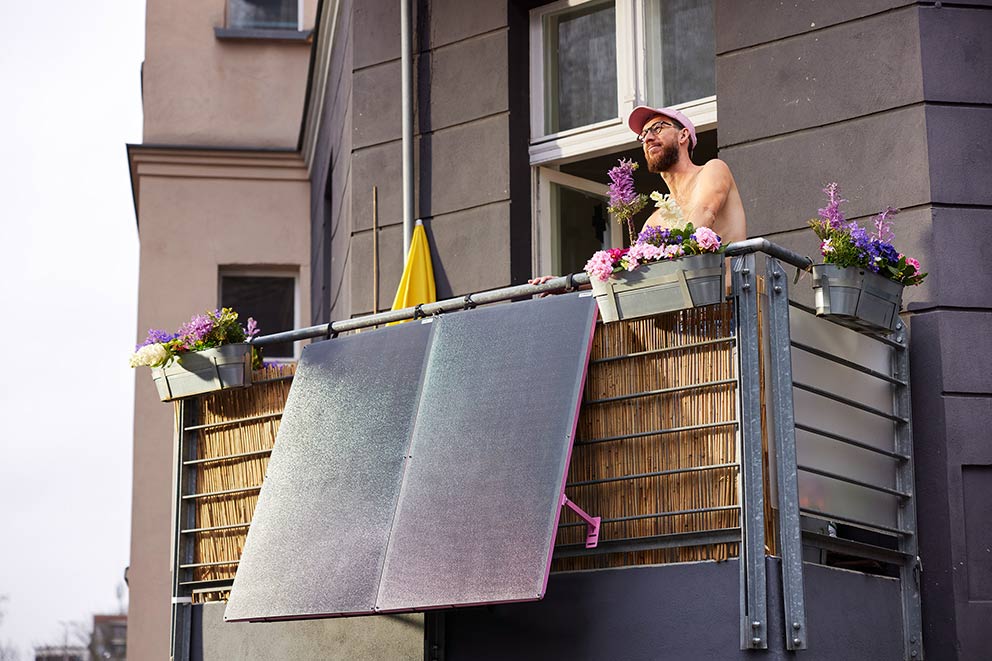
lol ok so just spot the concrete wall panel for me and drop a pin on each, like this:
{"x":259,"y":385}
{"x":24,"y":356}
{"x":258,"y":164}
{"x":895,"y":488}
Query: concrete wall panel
{"x":469,"y":165}
{"x":959,"y":49}
{"x":377,"y":24}
{"x":960,"y":140}
{"x":360,"y":268}
{"x":966,"y":352}
{"x":460,"y":240}
{"x":381,"y":166}
{"x":376,"y":105}
{"x":742,"y":24}
{"x":793,"y":84}
{"x":961,"y":237}
{"x":877,"y":160}
{"x":469,"y":80}
{"x":454,"y":20}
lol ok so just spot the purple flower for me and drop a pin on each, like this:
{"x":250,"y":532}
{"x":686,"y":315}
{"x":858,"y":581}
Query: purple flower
{"x":155,"y":336}
{"x":196,"y":329}
{"x":832,"y":213}
{"x":622,"y":192}
{"x":252,"y":327}
{"x":654,"y":235}
{"x":883,"y":227}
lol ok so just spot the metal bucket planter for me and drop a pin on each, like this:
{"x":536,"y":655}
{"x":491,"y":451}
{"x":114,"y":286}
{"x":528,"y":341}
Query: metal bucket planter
{"x":199,"y":372}
{"x":661,"y":287}
{"x":857,"y":298}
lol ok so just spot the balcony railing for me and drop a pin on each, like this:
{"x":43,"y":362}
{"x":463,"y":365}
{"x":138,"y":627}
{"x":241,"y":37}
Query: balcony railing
{"x":744,"y":429}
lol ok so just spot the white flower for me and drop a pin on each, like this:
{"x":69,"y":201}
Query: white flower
{"x":151,"y":355}
{"x":671,"y":212}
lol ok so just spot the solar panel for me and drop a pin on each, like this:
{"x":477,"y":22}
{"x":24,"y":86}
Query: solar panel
{"x":431,"y":459}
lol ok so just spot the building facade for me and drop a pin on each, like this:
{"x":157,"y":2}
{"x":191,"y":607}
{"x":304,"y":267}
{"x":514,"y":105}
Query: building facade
{"x":520,"y":108}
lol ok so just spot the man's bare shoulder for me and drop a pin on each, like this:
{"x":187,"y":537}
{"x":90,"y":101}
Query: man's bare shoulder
{"x":716,"y":168}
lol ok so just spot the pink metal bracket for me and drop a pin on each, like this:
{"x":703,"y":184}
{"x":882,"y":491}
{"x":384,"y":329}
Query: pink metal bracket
{"x":592,"y":522}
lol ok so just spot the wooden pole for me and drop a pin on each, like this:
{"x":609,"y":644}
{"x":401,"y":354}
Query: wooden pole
{"x":375,"y":249}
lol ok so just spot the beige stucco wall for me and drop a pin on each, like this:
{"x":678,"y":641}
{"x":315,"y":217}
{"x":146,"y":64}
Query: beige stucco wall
{"x":199,"y":90}
{"x":197,"y":211}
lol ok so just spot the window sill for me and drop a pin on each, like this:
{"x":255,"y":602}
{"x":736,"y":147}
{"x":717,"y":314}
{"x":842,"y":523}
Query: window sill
{"x":259,"y":34}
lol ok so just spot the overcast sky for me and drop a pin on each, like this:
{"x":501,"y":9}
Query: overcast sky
{"x":70,"y":74}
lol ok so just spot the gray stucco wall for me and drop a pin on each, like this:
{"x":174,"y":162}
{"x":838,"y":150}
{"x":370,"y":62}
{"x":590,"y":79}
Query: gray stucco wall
{"x":892,"y":100}
{"x":462,"y":154}
{"x":678,"y":612}
{"x":392,"y":637}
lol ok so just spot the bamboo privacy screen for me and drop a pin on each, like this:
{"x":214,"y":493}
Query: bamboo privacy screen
{"x":680,"y":369}
{"x":681,"y":423}
{"x":254,"y":414}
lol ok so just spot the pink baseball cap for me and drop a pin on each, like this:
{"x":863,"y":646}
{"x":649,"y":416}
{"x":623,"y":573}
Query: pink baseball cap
{"x":640,"y":115}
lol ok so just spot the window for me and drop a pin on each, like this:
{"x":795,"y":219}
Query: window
{"x":593,"y":61}
{"x":264,"y":14}
{"x":270,"y":297}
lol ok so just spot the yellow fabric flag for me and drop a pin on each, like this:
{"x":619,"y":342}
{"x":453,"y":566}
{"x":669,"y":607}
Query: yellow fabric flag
{"x":417,"y":283}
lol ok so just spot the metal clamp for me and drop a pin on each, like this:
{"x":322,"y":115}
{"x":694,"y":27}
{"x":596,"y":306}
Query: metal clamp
{"x":592,"y":522}
{"x":418,"y":311}
{"x":570,"y":282}
{"x":468,"y":303}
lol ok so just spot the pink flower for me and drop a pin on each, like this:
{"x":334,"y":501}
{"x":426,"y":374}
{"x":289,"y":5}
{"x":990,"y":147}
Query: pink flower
{"x":707,"y":239}
{"x":912,"y":262}
{"x":600,"y":265}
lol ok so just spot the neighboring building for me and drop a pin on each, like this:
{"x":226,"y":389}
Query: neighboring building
{"x":221,"y":195}
{"x":61,"y":653}
{"x":238,"y":175}
{"x":109,"y":639}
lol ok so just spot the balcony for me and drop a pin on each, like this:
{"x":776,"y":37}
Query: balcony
{"x":751,"y":465}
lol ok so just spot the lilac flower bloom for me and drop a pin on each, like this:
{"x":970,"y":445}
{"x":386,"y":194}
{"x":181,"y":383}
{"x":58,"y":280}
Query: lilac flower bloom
{"x":832,"y":213}
{"x":622,"y":191}
{"x":883,"y":227}
{"x":252,"y":327}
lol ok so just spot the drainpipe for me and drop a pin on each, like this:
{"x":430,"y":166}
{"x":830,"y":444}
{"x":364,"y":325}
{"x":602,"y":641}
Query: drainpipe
{"x":406,"y":64}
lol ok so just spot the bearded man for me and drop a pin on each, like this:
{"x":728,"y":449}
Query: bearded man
{"x":706,"y":193}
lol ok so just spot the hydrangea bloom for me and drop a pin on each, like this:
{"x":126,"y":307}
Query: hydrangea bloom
{"x":707,"y":239}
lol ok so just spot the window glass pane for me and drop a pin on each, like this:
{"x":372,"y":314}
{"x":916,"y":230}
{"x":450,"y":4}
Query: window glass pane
{"x":269,"y":299}
{"x":583,"y":227}
{"x":581,"y":67}
{"x":262,"y":14}
{"x":681,"y":51}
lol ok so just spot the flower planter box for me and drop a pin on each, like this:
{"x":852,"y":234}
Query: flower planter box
{"x":857,"y":298}
{"x":204,"y":371}
{"x":659,"y":287}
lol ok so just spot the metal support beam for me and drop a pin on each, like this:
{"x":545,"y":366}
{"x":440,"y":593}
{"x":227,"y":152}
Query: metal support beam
{"x":184,"y":517}
{"x":753,"y":592}
{"x":784,"y":421}
{"x":909,"y":571}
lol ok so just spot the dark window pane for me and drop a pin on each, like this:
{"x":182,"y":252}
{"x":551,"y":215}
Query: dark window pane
{"x":262,"y":14}
{"x":681,"y":51}
{"x":270,"y":300}
{"x":583,"y":227}
{"x":582,"y":67}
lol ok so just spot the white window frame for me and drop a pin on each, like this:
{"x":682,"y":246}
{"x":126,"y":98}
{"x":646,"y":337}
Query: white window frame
{"x":544,"y":234}
{"x":264,"y":272}
{"x":611,"y":134}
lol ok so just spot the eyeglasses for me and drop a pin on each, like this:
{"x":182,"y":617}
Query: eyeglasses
{"x":654,"y":130}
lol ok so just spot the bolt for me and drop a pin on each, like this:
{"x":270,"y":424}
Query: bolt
{"x":755,"y":641}
{"x":898,"y":325}
{"x":745,"y":271}
{"x":745,"y":286}
{"x":796,"y":642}
{"x":797,"y":626}
{"x":755,"y":625}
{"x":912,"y":639}
{"x":899,"y":338}
{"x":915,"y":652}
{"x":776,"y":274}
{"x":778,"y":290}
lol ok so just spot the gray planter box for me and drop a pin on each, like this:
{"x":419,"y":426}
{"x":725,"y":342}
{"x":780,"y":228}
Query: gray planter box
{"x":661,"y":287}
{"x":204,"y":371}
{"x":857,"y":298}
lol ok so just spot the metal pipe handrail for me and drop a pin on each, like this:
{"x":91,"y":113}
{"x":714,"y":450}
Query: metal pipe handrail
{"x":562,"y":283}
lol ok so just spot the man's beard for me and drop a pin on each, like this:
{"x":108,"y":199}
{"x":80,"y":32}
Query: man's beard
{"x":661,"y":162}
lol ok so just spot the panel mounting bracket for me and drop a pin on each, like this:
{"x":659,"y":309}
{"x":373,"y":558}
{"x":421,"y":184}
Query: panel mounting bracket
{"x":592,"y":522}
